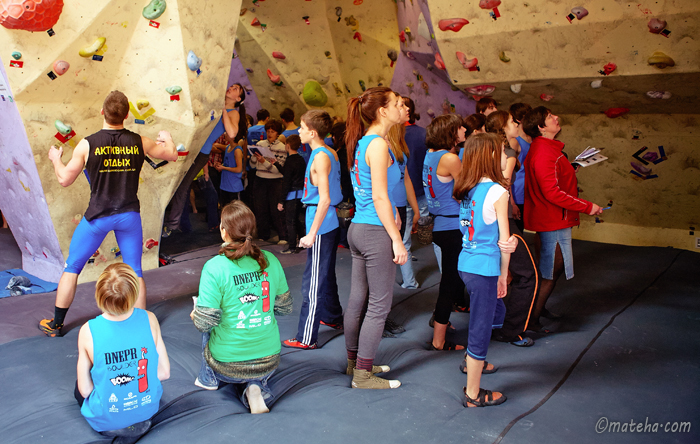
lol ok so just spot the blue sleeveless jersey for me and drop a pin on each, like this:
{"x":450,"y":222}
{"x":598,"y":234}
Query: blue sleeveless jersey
{"x":330,"y":222}
{"x":361,"y":177}
{"x":399,"y":196}
{"x":231,"y":182}
{"x":125,"y":373}
{"x":480,"y":253}
{"x":519,"y":182}
{"x":439,"y":194}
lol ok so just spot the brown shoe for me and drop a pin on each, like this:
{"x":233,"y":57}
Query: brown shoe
{"x":363,"y":379}
{"x":375,"y":368}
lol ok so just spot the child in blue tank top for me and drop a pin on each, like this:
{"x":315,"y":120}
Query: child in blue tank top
{"x":321,"y":194}
{"x":121,"y":360}
{"x":483,"y":266}
{"x":373,"y":236}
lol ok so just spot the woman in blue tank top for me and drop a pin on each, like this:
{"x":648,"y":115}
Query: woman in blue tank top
{"x":483,"y":220}
{"x":440,"y":170}
{"x":374,"y":236}
{"x":121,"y":359}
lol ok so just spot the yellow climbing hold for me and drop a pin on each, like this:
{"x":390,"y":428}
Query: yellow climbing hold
{"x":503,"y":57}
{"x":90,"y":50}
{"x":141,"y":104}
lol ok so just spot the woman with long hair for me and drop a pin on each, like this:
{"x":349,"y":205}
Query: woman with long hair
{"x":374,"y":237}
{"x":483,"y":220}
{"x":404,"y":193}
{"x":240,"y":292}
{"x":440,"y":170}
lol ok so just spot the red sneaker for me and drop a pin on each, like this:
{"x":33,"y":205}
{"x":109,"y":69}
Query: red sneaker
{"x":293,"y":343}
{"x":338,"y":326}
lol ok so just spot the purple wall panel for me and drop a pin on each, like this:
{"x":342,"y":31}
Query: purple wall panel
{"x":22,"y":196}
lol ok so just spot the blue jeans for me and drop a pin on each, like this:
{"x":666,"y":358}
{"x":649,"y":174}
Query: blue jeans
{"x":207,"y":376}
{"x":407,"y":275}
{"x":487,"y":312}
{"x":549,"y":240}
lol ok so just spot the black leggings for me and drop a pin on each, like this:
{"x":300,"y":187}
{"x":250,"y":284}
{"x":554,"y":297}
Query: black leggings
{"x":451,"y":285}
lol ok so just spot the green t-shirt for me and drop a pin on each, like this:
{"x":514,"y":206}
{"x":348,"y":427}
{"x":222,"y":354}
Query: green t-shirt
{"x":248,"y":328}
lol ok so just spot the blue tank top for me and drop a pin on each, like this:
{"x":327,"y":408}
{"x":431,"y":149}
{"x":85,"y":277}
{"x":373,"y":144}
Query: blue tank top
{"x":125,"y":373}
{"x":256,"y":133}
{"x":519,"y":182}
{"x":480,"y":253}
{"x":399,"y":197}
{"x":310,"y":197}
{"x":231,"y":182}
{"x":218,"y":130}
{"x":361,"y":178}
{"x":305,"y":149}
{"x":439,"y":194}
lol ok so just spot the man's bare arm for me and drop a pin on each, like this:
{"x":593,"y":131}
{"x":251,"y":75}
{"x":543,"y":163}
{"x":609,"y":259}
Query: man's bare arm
{"x":66,"y":174}
{"x":162,"y":148}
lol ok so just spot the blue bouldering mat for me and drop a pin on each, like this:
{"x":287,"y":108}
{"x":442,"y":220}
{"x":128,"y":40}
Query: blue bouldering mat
{"x":38,"y":286}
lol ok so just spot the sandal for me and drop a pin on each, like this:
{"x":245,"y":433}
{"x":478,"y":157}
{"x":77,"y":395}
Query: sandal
{"x":431,"y":323}
{"x":463,"y":368}
{"x":482,"y":399}
{"x":448,"y":345}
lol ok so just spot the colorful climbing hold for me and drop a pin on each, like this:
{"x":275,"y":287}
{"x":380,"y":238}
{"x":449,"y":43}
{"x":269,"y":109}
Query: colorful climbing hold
{"x":659,"y":94}
{"x":327,"y":54}
{"x":16,"y":55}
{"x":60,"y":67}
{"x":580,"y":12}
{"x":661,"y":60}
{"x":503,"y":57}
{"x":141,"y":104}
{"x":90,"y":50}
{"x":193,"y":62}
{"x":62,"y":128}
{"x":255,"y":22}
{"x":596,"y":84}
{"x":314,"y":95}
{"x":546,"y":97}
{"x":30,"y":15}
{"x":362,"y":85}
{"x":426,"y":88}
{"x":357,"y":36}
{"x":402,"y":36}
{"x":175,"y":89}
{"x":154,"y":9}
{"x":338,"y":12}
{"x":470,"y":64}
{"x":656,"y":25}
{"x":481,"y":90}
{"x":454,"y":24}
{"x":439,"y":62}
{"x":393,"y":56}
{"x":608,"y":69}
{"x":516,"y":87}
{"x":489,"y":4}
{"x":273,"y":78}
{"x":357,"y":2}
{"x":278,"y":55}
{"x":243,"y":11}
{"x":616,"y":112}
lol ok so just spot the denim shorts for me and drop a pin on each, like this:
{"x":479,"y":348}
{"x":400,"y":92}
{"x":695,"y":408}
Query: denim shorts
{"x":549,"y":241}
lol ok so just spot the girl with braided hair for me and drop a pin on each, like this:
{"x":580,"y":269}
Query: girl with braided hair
{"x":240,"y":292}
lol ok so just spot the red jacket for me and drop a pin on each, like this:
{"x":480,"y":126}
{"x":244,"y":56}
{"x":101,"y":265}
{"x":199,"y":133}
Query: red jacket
{"x":551,"y":188}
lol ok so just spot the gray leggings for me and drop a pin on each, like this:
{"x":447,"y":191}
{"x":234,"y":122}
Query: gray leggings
{"x":373,"y":271}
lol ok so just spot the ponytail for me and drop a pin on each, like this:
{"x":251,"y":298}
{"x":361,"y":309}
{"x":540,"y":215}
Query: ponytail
{"x":244,"y":247}
{"x":362,"y":110}
{"x":239,"y":223}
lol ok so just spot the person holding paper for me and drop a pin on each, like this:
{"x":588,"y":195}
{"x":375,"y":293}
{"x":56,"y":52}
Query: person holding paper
{"x":552,"y":205}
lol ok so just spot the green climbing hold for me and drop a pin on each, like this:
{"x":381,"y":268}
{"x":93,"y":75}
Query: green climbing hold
{"x":362,"y":85}
{"x":154,"y":9}
{"x":16,"y":55}
{"x":62,"y":127}
{"x":172,"y":90}
{"x":314,"y":95}
{"x":504,"y":57}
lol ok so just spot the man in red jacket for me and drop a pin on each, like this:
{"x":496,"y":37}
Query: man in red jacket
{"x":552,"y":205}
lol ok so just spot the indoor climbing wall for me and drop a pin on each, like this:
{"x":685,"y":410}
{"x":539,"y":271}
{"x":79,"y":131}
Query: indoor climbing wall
{"x":172,"y":61}
{"x":622,"y":75}
{"x":314,"y":54}
{"x":417,"y":74}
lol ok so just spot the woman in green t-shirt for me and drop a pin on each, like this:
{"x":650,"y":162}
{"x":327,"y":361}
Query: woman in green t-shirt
{"x":240,"y":292}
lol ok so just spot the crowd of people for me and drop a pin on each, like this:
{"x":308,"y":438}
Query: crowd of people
{"x":477,"y":181}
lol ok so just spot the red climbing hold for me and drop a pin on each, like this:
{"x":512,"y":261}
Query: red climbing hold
{"x":255,"y":22}
{"x":30,"y":15}
{"x":402,"y":36}
{"x":357,"y":36}
{"x":608,"y":69}
{"x":616,"y":112}
{"x":489,"y":4}
{"x":273,"y":78}
{"x":278,"y":55}
{"x":438,"y":61}
{"x":470,"y":64}
{"x":454,"y":24}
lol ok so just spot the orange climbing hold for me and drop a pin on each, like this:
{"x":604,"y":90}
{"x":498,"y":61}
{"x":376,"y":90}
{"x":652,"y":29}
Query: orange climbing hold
{"x":273,"y":78}
{"x":454,"y":24}
{"x":30,"y":15}
{"x":255,"y":22}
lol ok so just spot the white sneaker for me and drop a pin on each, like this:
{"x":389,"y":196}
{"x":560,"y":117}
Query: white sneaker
{"x":282,"y":242}
{"x":205,"y":387}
